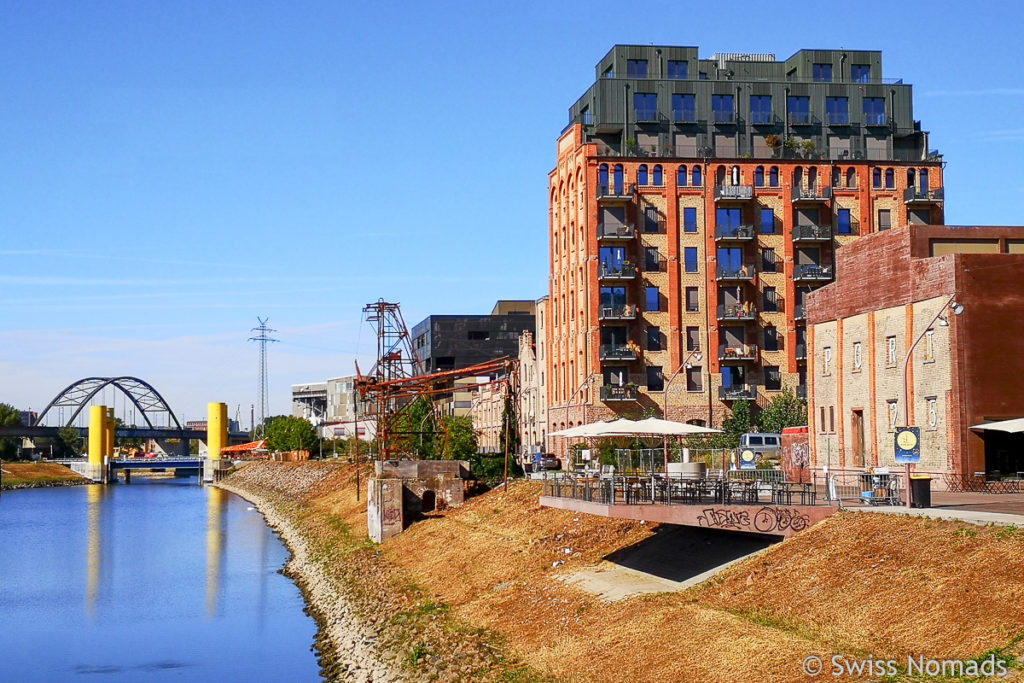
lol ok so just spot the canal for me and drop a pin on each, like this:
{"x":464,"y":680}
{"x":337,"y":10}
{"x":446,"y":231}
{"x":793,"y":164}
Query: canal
{"x":160,"y":579}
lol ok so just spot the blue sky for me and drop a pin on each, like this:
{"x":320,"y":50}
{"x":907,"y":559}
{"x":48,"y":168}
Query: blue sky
{"x":169,"y":171}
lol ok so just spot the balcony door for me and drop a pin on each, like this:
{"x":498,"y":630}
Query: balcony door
{"x":733,"y":376}
{"x":611,"y":259}
{"x":615,"y":375}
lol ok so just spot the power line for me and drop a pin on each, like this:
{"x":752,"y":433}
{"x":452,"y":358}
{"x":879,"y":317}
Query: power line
{"x":263,"y":338}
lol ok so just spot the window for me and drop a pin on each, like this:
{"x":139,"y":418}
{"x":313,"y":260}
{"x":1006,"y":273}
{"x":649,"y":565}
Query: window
{"x":851,"y":178}
{"x":771,"y":338}
{"x":832,"y":419}
{"x":772,"y":378}
{"x":684,"y":108}
{"x":658,"y":179}
{"x":696,"y":176}
{"x":652,"y":222}
{"x":890,"y":349}
{"x":860,"y":73}
{"x":760,"y":109}
{"x":689,"y":219}
{"x":822,"y":73}
{"x":876,"y":179}
{"x":767,"y":260}
{"x":692,"y":338}
{"x":613,"y":298}
{"x":602,"y":178}
{"x":681,"y":176}
{"x":692,"y":300}
{"x":728,"y":220}
{"x":884,"y":221}
{"x":837,"y":176}
{"x":651,"y":259}
{"x":858,"y":357}
{"x":730,"y":259}
{"x":609,"y":72}
{"x":653,"y":338}
{"x":759,"y":176}
{"x":874,"y":111}
{"x":836,"y":110}
{"x":694,"y":379}
{"x":690,"y":259}
{"x":773,"y":177}
{"x":826,"y":360}
{"x":641,"y":175}
{"x":721,"y":108}
{"x":677,"y":69}
{"x":653,"y":299}
{"x":636,"y":68}
{"x":585,"y":116}
{"x":893,"y":414}
{"x":611,"y":260}
{"x":890,"y":179}
{"x":799,"y":109}
{"x":910,"y":178}
{"x":655,"y":380}
{"x":843,"y":226}
{"x":767,"y":221}
{"x":478,"y":335}
{"x":646,"y":106}
{"x":933,"y":411}
{"x":929,"y":346}
{"x":821,"y":421}
{"x":770,"y":303}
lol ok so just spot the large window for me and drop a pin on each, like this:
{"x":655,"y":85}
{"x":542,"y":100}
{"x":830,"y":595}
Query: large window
{"x":655,"y":380}
{"x":760,"y":109}
{"x":692,"y":299}
{"x":677,"y":69}
{"x":770,"y":303}
{"x":771,"y":338}
{"x":730,"y":259}
{"x":651,"y":259}
{"x":837,"y":110}
{"x":652,"y":299}
{"x":822,"y":73}
{"x":646,"y":106}
{"x":860,"y":73}
{"x":728,"y":220}
{"x":690,"y":259}
{"x":721,"y":108}
{"x":799,"y":109}
{"x":636,"y":68}
{"x":689,"y":219}
{"x":683,"y":109}
{"x":874,"y":111}
{"x":767,"y":260}
{"x":613,"y":297}
{"x":652,"y":222}
{"x":843,"y":226}
{"x":611,"y":260}
{"x":653,"y":338}
{"x":767,"y":221}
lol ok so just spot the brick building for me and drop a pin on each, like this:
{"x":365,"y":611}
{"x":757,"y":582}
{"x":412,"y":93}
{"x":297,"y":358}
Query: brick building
{"x":695,"y":202}
{"x":965,"y":369}
{"x":533,"y":392}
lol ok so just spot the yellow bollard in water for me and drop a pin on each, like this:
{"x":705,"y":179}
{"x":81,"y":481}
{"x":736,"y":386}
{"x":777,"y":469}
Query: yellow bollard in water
{"x":109,"y":441}
{"x":97,"y":434}
{"x":216,"y":429}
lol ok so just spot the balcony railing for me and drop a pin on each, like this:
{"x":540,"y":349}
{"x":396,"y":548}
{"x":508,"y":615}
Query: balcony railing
{"x":733,"y":192}
{"x":735,"y":233}
{"x":737,"y":312}
{"x":613,"y":393}
{"x":613,"y":231}
{"x":723,"y":117}
{"x":626,"y":312}
{"x":618,"y":352}
{"x":811,"y":194}
{"x":613,"y":192}
{"x":737,"y":392}
{"x":659,"y":266}
{"x":800,"y":119}
{"x":743,"y":273}
{"x":800,"y":312}
{"x":684,"y":116}
{"x":876,"y":120}
{"x":626,"y":271}
{"x":810,"y":272}
{"x":742,"y":352}
{"x":646,"y":115}
{"x":801,"y":351}
{"x":913,"y":195}
{"x":838,"y":119}
{"x":764,"y":119}
{"x":812,"y":233}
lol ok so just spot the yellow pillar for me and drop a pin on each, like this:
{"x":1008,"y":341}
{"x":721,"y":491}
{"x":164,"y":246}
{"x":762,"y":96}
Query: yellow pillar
{"x":109,"y":443}
{"x":97,"y":434}
{"x":216,"y":429}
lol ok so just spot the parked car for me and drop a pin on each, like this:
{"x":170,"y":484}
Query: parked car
{"x":764,"y":446}
{"x":549,"y":461}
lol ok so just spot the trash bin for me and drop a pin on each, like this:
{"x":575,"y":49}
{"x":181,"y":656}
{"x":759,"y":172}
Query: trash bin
{"x":920,"y":491}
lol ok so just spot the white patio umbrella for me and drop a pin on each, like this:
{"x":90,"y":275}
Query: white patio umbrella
{"x":1015,"y":426}
{"x":659,"y":427}
{"x":581,"y":431}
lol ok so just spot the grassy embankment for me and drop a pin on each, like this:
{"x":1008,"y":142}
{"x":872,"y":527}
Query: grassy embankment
{"x":19,"y":475}
{"x":474,"y":593}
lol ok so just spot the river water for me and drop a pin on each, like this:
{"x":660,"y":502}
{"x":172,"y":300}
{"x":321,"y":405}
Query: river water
{"x":156,"y":580}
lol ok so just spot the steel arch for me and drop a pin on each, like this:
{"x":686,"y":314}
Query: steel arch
{"x":142,"y":394}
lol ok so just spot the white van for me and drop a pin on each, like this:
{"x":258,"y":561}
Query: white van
{"x":762,"y":444}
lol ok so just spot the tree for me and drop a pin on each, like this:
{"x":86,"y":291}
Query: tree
{"x":736,"y":424}
{"x":509,"y":427}
{"x":461,"y":438}
{"x":9,"y":417}
{"x":785,"y":410}
{"x":287,"y":433}
{"x":70,"y":441}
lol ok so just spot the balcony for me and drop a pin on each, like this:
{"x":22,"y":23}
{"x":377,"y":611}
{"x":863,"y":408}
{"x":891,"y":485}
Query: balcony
{"x":838,"y":119}
{"x":646,"y":115}
{"x":876,"y":120}
{"x":737,"y":233}
{"x":618,"y":352}
{"x":724,"y":118}
{"x":811,"y":194}
{"x":913,"y":195}
{"x":734,"y":193}
{"x":801,"y":352}
{"x":811,"y":272}
{"x":744,"y":352}
{"x":626,"y":312}
{"x":801,"y":392}
{"x":613,"y":193}
{"x":611,"y":393}
{"x":739,"y":312}
{"x":615,"y":231}
{"x":799,"y":312}
{"x":764,"y":119}
{"x":626,"y":271}
{"x":805,"y":234}
{"x":802,"y":119}
{"x":741,"y":274}
{"x":738,"y":392}
{"x":684,"y":116}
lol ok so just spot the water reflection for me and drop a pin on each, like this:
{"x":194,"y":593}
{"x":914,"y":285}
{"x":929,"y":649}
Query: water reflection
{"x":216,"y":500}
{"x":95,"y":494}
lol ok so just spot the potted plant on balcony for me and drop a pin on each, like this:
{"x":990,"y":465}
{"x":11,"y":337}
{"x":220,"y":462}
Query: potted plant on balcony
{"x":790,"y":147}
{"x":808,"y":148}
{"x":631,"y":146}
{"x":774,"y":142}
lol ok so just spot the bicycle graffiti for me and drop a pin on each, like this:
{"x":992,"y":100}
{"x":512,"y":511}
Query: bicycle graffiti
{"x":779,"y":519}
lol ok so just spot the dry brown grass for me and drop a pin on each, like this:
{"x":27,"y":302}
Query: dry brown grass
{"x":18,"y":474}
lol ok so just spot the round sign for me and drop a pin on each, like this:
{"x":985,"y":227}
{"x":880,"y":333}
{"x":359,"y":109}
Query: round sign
{"x":747,"y":456}
{"x":907,"y":440}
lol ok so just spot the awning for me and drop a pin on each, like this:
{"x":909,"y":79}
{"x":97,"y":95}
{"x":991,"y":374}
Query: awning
{"x":1015,"y":426}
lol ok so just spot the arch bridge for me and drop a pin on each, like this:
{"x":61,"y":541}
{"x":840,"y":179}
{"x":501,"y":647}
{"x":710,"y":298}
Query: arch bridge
{"x":141,"y":393}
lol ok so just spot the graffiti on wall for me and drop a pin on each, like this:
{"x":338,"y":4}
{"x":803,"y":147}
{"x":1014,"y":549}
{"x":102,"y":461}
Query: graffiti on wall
{"x":766,"y":520}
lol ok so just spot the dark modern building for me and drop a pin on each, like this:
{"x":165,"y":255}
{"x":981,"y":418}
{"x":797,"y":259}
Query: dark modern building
{"x":450,"y":342}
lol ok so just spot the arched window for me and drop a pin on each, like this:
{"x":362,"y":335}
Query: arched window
{"x":798,"y":176}
{"x":812,"y":177}
{"x":922,"y":178}
{"x":602,"y":178}
{"x":658,"y":180}
{"x":735,"y":176}
{"x":681,"y":176}
{"x":851,"y":177}
{"x":641,"y":175}
{"x":876,"y":178}
{"x":618,"y":178}
{"x":890,"y":179}
{"x":837,"y":176}
{"x":910,"y":177}
{"x":696,"y":176}
{"x":759,"y":176}
{"x":719,"y":176}
{"x":773,"y":177}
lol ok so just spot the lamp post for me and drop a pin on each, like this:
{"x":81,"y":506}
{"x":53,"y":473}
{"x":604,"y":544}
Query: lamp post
{"x":957,"y":309}
{"x":695,"y":355}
